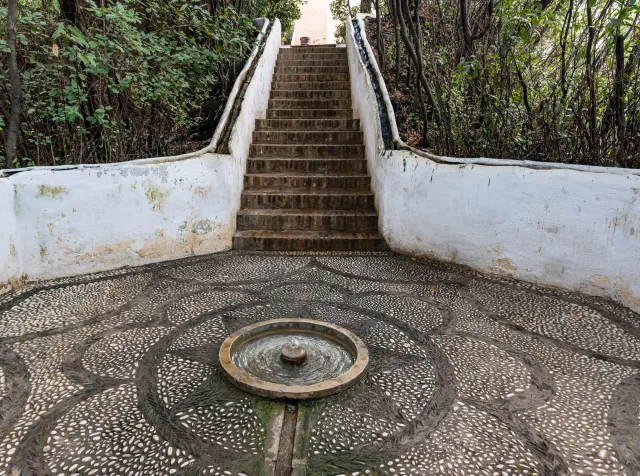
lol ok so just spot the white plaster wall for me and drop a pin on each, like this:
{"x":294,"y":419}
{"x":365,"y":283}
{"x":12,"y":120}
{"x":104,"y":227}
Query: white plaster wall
{"x":66,"y":221}
{"x":94,"y":219}
{"x":365,"y":108}
{"x":565,"y":228}
{"x":10,"y":265}
{"x":573,"y":227}
{"x":254,"y":106}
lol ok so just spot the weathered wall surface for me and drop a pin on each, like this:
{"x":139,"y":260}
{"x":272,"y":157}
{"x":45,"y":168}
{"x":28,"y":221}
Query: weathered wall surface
{"x":10,"y":265}
{"x":365,"y":108}
{"x":65,"y":221}
{"x":573,"y":227}
{"x":93,"y":219}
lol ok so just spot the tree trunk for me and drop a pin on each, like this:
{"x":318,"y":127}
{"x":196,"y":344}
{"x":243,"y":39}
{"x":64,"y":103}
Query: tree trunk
{"x":424,"y":141}
{"x":398,"y":57}
{"x":393,"y":7}
{"x":416,"y":55}
{"x":379,"y":41}
{"x":471,"y":36}
{"x":70,"y":11}
{"x":619,"y":95}
{"x":591,"y":80}
{"x":563,"y":45}
{"x":365,"y":6}
{"x":14,"y":78}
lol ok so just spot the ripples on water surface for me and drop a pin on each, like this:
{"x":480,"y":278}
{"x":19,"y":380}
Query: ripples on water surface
{"x":260,"y":357}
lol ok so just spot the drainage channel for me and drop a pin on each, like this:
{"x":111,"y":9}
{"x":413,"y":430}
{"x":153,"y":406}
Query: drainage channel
{"x":284,"y":460}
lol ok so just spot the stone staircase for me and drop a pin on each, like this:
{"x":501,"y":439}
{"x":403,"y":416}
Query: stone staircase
{"x":307,"y":186}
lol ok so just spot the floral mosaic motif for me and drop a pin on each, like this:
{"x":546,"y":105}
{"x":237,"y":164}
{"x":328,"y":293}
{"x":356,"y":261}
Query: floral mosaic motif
{"x":117,"y":373}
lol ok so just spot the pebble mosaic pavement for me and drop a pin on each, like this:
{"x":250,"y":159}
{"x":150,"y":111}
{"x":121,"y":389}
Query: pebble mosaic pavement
{"x":117,"y":373}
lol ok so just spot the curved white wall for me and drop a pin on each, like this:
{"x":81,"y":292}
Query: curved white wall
{"x":66,"y":221}
{"x":573,"y":227}
{"x":93,"y":219}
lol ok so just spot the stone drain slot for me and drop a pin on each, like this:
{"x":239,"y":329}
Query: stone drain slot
{"x":292,"y":360}
{"x":284,"y":461}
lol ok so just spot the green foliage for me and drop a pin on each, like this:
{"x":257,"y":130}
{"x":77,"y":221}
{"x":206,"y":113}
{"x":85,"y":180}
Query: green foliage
{"x":340,"y":10}
{"x":288,"y":11}
{"x":522,"y":89}
{"x":124,"y":78}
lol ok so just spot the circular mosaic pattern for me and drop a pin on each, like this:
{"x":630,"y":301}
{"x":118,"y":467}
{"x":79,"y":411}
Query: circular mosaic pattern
{"x":118,"y":373}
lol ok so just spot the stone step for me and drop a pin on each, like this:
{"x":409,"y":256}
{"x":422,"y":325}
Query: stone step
{"x":286,"y":54}
{"x":306,"y":165}
{"x":312,"y":62}
{"x":309,"y":113}
{"x":308,"y":137}
{"x":315,"y":49}
{"x":307,"y":150}
{"x":311,"y":69}
{"x":311,"y":47}
{"x":309,"y":220}
{"x":316,"y":86}
{"x":312,"y":77}
{"x":307,"y":241}
{"x":311,"y":94}
{"x":347,"y":199}
{"x":309,"y":103}
{"x":306,"y":187}
{"x":297,"y":180}
{"x":308,"y":124}
{"x":338,"y":59}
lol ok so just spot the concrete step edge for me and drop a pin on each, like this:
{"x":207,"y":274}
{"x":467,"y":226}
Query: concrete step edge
{"x":297,"y":234}
{"x":306,"y":191}
{"x":307,"y":175}
{"x":314,"y":161}
{"x":332,"y":144}
{"x":321,"y":212}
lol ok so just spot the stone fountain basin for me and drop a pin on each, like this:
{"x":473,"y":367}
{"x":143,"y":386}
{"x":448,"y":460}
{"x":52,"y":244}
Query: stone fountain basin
{"x":252,"y":384}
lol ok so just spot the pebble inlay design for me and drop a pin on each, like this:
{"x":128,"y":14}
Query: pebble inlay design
{"x":117,"y":373}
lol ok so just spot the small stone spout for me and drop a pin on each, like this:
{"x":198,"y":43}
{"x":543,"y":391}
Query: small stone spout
{"x":293,"y":354}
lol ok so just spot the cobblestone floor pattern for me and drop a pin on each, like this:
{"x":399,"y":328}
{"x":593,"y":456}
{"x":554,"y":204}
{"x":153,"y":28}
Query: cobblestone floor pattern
{"x":117,"y":373}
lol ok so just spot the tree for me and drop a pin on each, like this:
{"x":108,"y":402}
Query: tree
{"x":544,"y":80}
{"x":98,"y":81}
{"x":14,"y":79}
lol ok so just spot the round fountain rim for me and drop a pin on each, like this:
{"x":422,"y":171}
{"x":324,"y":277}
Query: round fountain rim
{"x":264,"y":388}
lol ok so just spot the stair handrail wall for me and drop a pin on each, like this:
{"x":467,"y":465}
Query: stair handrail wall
{"x":365,"y":108}
{"x":562,"y":225}
{"x":220,"y":140}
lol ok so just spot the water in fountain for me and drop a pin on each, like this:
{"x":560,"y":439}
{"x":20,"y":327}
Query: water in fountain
{"x":262,"y":357}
